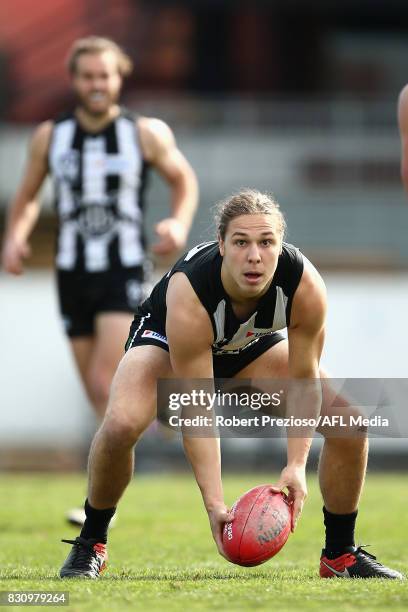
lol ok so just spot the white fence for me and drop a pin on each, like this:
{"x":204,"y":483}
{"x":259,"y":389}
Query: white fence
{"x":42,"y":402}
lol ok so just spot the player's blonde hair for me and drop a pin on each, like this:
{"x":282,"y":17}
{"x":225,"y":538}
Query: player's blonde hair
{"x":248,"y":202}
{"x":98,"y":44}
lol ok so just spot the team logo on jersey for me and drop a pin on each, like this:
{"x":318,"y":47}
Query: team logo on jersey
{"x":149,"y":333}
{"x":95,"y":219}
{"x":68,"y":166}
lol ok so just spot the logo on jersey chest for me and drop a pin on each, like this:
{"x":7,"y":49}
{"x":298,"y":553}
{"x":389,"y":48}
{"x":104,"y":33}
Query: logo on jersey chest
{"x":243,"y":338}
{"x":99,"y":163}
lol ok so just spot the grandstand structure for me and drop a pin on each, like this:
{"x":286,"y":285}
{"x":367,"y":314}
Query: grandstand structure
{"x":297,"y":100}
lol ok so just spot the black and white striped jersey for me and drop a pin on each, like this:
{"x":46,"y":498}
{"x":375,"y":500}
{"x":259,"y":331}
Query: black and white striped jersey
{"x":202,"y":266}
{"x":99,"y":182}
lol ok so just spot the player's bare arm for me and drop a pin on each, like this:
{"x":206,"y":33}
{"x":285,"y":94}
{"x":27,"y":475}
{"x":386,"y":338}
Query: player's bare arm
{"x":403,"y":128}
{"x":24,"y":208}
{"x":160,"y":149}
{"x":190,"y":334}
{"x":306,"y":338}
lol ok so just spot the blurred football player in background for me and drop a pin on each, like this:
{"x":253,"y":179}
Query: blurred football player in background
{"x":98,"y":156}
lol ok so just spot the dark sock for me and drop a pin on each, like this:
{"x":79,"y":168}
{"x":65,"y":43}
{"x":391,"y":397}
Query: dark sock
{"x":96,"y":523}
{"x":339,"y":533}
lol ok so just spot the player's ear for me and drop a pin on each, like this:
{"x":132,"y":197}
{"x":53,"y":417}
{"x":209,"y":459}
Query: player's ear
{"x":221,"y":245}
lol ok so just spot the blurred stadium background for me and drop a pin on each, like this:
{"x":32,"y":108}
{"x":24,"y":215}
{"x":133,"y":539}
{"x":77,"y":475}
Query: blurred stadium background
{"x":298,"y":98}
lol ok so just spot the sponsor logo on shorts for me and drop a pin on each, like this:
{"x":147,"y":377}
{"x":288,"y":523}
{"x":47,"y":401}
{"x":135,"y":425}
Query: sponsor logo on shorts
{"x":134,"y":292}
{"x":149,"y":333}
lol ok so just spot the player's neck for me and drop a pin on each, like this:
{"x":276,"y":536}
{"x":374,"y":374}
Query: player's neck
{"x":96,"y":123}
{"x":242,"y":305}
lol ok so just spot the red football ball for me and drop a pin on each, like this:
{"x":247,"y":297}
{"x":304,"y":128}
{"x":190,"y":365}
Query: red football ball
{"x":260,"y":528}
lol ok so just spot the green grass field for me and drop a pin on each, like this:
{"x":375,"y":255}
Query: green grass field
{"x":162,"y":555}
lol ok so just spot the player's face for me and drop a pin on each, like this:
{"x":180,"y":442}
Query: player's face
{"x":97,"y":81}
{"x":250,"y":250}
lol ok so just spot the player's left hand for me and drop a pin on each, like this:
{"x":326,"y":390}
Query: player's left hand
{"x":218,"y":516}
{"x":293,"y":478}
{"x":172,"y":236}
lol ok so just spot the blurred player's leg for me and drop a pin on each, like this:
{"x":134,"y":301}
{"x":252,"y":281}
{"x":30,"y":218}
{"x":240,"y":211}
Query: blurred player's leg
{"x":97,"y":356}
{"x":82,"y":348}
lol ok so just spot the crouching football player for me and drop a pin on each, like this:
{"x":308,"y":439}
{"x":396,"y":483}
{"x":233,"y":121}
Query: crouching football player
{"x":218,"y":313}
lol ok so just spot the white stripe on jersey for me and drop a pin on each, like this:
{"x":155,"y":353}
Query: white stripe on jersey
{"x":279,"y":318}
{"x":96,"y":254}
{"x":96,"y":249}
{"x":66,"y":255}
{"x":219,"y":318}
{"x":93,"y":170}
{"x":61,"y":143}
{"x":130,"y":246}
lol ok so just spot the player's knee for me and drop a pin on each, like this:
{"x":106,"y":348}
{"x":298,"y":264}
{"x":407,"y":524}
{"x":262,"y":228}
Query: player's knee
{"x":122,"y":430}
{"x":356,"y":443}
{"x":346,"y":429}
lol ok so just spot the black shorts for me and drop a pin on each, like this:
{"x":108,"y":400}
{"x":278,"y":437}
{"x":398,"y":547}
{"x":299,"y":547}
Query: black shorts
{"x":147,"y":331}
{"x":83,"y":295}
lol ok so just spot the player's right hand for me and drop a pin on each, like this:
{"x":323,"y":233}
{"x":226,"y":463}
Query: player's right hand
{"x":172,"y":236}
{"x":218,"y":516}
{"x":293,"y":478}
{"x":13,"y":255}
